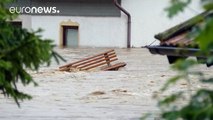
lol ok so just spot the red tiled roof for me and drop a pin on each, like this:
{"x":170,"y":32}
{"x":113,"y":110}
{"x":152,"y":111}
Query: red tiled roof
{"x":177,"y":36}
{"x":179,"y":40}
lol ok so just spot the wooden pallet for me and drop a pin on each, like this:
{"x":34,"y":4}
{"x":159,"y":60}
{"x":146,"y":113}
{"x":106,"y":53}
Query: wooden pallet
{"x":105,"y":58}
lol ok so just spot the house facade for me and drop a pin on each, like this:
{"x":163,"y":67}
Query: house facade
{"x":98,"y":23}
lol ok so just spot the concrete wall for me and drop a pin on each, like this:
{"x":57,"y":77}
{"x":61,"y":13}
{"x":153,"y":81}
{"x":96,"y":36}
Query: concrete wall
{"x":148,"y":19}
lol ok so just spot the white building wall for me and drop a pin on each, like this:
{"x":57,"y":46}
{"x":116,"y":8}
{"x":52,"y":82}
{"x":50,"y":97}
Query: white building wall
{"x":148,"y":19}
{"x":93,"y":31}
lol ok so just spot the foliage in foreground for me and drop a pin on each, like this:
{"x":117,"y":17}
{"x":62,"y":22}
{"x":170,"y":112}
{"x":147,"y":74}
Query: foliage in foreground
{"x":20,"y":50}
{"x":200,"y":102}
{"x":197,"y":105}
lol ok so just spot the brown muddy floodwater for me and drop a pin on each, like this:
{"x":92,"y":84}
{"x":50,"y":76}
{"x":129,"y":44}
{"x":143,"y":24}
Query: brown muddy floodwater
{"x":97,"y":95}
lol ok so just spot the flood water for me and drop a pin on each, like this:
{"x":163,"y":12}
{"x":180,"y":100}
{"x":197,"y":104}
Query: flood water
{"x":96,"y":95}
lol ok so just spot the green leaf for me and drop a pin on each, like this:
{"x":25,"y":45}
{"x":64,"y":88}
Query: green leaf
{"x":205,"y":38}
{"x":184,"y":65}
{"x":172,"y":80}
{"x":210,"y":80}
{"x":176,"y":7}
{"x":6,"y":65}
{"x":171,"y":115}
{"x":170,"y":99}
{"x":208,"y":6}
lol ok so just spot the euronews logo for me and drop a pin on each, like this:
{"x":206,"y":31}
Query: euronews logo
{"x":34,"y":10}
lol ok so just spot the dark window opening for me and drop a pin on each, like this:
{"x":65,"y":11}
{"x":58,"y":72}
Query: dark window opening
{"x":70,"y":36}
